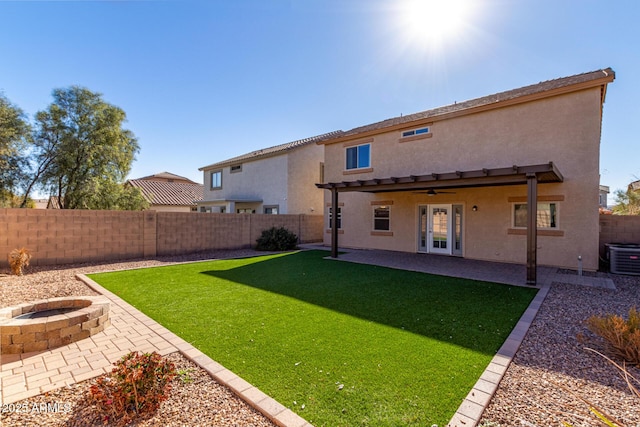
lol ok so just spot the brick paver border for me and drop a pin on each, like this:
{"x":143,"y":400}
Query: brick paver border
{"x":471,"y":409}
{"x":269,"y":407}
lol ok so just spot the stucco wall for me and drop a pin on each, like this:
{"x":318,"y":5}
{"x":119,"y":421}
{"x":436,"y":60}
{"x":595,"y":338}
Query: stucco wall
{"x":304,"y":172}
{"x":264,"y":180}
{"x":72,"y":236}
{"x":564,"y":129}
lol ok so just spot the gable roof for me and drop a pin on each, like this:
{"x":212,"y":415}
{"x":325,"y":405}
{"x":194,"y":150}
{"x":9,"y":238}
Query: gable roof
{"x":169,"y":193}
{"x":515,"y":96}
{"x":273,"y":151}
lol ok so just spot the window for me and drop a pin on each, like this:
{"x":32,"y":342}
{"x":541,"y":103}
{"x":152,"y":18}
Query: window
{"x":547,"y":215}
{"x":381,"y":216}
{"x":339,"y":217}
{"x":246,"y":211}
{"x":359,"y":156}
{"x":216,"y":179}
{"x":236,"y":168}
{"x":271,"y":210}
{"x":414,"y":132}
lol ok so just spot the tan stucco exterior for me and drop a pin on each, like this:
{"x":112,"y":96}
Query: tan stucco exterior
{"x":284,"y":180}
{"x":561,"y":128}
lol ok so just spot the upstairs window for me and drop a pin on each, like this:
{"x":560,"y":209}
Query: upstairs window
{"x":236,"y":168}
{"x":216,"y":180}
{"x":359,"y":156}
{"x":271,"y":210}
{"x":546,"y":217}
{"x":414,"y":132}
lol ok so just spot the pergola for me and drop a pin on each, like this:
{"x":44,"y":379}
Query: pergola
{"x":530,"y":175}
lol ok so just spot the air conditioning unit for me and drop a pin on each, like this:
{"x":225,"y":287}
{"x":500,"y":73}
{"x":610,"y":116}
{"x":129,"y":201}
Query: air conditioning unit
{"x":624,"y":259}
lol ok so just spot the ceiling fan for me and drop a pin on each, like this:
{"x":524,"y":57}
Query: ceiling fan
{"x":432,"y":192}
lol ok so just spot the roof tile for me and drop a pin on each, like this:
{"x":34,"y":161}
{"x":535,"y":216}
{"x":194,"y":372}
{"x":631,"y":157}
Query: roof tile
{"x":169,"y":193}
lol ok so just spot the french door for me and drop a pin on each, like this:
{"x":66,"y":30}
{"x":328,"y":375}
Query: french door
{"x":440,"y":229}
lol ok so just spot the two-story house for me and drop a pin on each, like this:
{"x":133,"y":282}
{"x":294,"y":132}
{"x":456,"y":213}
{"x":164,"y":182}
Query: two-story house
{"x":459,"y":180}
{"x":274,"y":180}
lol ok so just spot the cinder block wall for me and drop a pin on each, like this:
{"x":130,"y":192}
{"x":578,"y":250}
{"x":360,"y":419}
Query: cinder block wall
{"x":619,"y":229}
{"x":72,"y":236}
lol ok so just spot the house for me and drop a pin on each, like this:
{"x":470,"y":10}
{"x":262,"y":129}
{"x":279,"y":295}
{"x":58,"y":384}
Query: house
{"x":275,"y":180}
{"x":458,"y":180}
{"x":604,"y":194}
{"x":167,"y":192}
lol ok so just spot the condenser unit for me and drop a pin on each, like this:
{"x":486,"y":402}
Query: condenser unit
{"x":624,"y":259}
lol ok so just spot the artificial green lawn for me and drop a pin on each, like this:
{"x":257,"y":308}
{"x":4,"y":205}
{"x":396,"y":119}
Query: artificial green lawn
{"x":341,"y":344}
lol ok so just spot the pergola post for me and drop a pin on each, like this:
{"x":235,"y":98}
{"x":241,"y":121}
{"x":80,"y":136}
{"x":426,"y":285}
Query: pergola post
{"x":334,"y":222}
{"x":532,"y":228}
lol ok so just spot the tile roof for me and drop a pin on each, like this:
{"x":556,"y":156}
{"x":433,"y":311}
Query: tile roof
{"x":586,"y":79}
{"x":275,"y":150}
{"x":169,"y":193}
{"x":162,"y":176}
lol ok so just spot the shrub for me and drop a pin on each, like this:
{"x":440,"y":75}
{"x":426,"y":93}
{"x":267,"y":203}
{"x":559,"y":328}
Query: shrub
{"x":136,"y":387}
{"x":276,"y":239}
{"x":622,"y":337}
{"x":18,"y":260}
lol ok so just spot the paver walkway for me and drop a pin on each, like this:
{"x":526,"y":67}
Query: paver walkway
{"x":30,"y":374}
{"x":27,"y":375}
{"x":498,"y":272}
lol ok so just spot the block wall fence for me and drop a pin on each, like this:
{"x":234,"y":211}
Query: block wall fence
{"x":73,"y":236}
{"x":619,"y":229}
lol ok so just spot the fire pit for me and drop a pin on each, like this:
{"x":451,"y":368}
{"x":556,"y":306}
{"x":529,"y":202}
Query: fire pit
{"x":51,"y":323}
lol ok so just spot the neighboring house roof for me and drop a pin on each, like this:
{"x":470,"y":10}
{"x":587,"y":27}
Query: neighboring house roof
{"x":169,"y":192}
{"x":635,"y":185}
{"x":167,"y":176}
{"x":273,"y":151}
{"x":510,"y":97}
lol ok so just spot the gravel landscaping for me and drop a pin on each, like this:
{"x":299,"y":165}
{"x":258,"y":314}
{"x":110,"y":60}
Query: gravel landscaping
{"x":552,"y":359}
{"x":543,"y":386}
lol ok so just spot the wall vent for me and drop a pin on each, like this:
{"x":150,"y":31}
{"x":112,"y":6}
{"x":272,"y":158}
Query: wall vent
{"x":625,"y":259}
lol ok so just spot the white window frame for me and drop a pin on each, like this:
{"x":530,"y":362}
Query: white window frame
{"x":276,"y":207}
{"x":329,"y":217}
{"x":358,"y":163}
{"x":555,"y":209}
{"x":425,"y":130}
{"x":378,"y":218}
{"x":216,"y":187}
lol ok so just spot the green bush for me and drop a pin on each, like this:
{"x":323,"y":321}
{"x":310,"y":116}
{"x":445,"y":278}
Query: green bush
{"x":276,"y":239}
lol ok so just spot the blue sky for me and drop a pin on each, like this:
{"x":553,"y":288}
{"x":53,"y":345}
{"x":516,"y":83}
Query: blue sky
{"x":202,"y":81}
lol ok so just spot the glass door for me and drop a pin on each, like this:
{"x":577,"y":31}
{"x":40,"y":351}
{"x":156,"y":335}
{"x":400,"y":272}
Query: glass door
{"x":439,"y":230}
{"x":423,"y":217}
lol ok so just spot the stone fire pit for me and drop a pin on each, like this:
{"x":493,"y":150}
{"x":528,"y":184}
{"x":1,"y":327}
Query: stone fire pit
{"x":51,"y":323}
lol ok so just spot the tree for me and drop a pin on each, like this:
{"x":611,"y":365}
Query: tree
{"x":14,"y":138}
{"x":114,"y":196}
{"x":627,"y":202}
{"x":81,"y":152}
